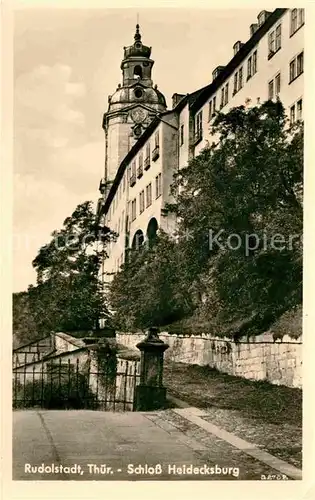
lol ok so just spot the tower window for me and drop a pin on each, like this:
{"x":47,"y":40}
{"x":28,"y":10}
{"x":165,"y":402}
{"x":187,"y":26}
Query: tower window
{"x":138,"y":93}
{"x":137,"y":72}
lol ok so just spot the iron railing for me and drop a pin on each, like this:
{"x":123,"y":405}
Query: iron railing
{"x":72,"y":384}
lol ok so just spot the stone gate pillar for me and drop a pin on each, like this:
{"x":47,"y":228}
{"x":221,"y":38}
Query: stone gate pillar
{"x":150,"y":393}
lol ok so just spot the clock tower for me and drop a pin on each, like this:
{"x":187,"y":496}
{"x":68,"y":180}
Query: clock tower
{"x":131,"y":107}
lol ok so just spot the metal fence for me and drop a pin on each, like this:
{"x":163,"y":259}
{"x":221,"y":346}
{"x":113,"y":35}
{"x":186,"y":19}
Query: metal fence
{"x":56,"y":384}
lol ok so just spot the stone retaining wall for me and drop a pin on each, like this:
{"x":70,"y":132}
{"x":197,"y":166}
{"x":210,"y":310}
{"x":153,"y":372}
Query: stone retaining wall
{"x":257,"y":358}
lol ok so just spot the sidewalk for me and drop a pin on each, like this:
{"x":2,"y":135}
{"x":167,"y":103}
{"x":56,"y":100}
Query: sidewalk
{"x":174,"y":444}
{"x":266,"y":415}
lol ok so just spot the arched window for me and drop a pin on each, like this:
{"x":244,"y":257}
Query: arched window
{"x":138,"y":240}
{"x":137,"y":72}
{"x":152,"y":230}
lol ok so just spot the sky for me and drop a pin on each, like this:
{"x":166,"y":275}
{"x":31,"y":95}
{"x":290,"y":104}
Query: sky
{"x":66,"y":63}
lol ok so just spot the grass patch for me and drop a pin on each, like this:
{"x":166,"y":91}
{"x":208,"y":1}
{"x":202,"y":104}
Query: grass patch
{"x":203,"y":386}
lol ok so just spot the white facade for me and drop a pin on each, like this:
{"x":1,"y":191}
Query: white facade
{"x":270,"y":63}
{"x":255,"y":89}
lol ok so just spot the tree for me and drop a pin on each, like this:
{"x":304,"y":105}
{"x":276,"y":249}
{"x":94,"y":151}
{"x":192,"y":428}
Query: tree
{"x":24,"y":326}
{"x":237,"y":259}
{"x":246,"y":188}
{"x":68,"y":293}
{"x":148,"y":289}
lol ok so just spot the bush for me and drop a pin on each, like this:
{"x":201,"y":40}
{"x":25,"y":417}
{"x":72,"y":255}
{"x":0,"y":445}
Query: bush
{"x":68,"y":394}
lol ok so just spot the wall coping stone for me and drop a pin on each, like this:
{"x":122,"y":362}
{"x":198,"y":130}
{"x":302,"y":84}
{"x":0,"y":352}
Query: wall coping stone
{"x":70,"y":339}
{"x":243,"y":340}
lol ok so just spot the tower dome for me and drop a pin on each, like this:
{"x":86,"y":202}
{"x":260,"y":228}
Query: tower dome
{"x":137,"y":49}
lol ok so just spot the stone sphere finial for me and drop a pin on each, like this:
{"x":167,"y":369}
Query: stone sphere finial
{"x":152,"y":334}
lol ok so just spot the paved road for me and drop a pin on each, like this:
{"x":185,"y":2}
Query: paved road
{"x":93,"y":445}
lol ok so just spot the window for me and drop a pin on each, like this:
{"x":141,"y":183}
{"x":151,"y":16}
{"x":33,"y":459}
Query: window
{"x":226,"y":94}
{"x":140,"y":166}
{"x":270,"y":90}
{"x":296,"y":67}
{"x":292,"y":114}
{"x":278,"y":37}
{"x":128,"y":217}
{"x":277,"y":84}
{"x":138,"y":93}
{"x":274,"y":41}
{"x":198,"y":126}
{"x":222,"y":97}
{"x":296,"y":111}
{"x":249,"y":68}
{"x":254,"y":62}
{"x":297,"y":20}
{"x":133,"y":168}
{"x":271,"y":41}
{"x":181,"y":135}
{"x":133,"y":173}
{"x":235,"y":83}
{"x":156,"y":150}
{"x":299,"y":109}
{"x":292,"y":70}
{"x":148,"y":193}
{"x":240,"y":78}
{"x":158,"y":185}
{"x":299,"y":64}
{"x":137,"y":72}
{"x":293,"y":21}
{"x":274,"y":87}
{"x":141,"y":202}
{"x":133,"y":210}
{"x":212,"y":109}
{"x":147,"y":157}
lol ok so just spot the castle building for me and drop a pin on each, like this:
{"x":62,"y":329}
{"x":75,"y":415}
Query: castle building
{"x":146,"y":143}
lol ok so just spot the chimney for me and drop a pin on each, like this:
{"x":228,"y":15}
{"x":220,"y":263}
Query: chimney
{"x":217,"y":71}
{"x":237,"y":46}
{"x":253,"y":28}
{"x":262,"y":17}
{"x":176,"y":98}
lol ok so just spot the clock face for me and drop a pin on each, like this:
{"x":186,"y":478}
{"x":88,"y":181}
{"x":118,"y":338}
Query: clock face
{"x":138,"y":115}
